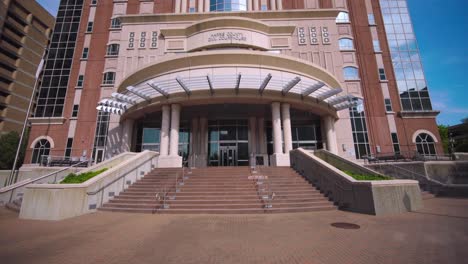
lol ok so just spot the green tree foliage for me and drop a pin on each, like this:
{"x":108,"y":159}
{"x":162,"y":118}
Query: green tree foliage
{"x":444,"y":136}
{"x":8,"y":145}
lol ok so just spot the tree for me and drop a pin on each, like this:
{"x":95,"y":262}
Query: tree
{"x":444,"y":136}
{"x":8,"y":146}
{"x":464,"y":120}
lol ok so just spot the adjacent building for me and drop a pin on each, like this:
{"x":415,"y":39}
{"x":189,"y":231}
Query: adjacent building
{"x":232,"y":82}
{"x":25,"y":29}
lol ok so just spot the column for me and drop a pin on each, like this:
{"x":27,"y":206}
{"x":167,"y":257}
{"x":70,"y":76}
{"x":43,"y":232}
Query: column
{"x":287,"y":135}
{"x":332,"y":145}
{"x":177,"y":6}
{"x":253,"y":135}
{"x":256,"y":7}
{"x":200,"y":6}
{"x":175,"y":119}
{"x":279,"y":6}
{"x":272,"y":4}
{"x":262,"y":144}
{"x":249,"y":5}
{"x":276,"y":122}
{"x":184,"y":6}
{"x":207,"y":6}
{"x":127,"y":131}
{"x":164,"y":142}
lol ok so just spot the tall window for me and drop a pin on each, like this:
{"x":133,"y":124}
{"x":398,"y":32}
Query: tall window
{"x":382,"y":75}
{"x":228,"y":5}
{"x":109,"y":78}
{"x":359,"y":127}
{"x":350,"y":73}
{"x":396,"y":143}
{"x":56,"y":73}
{"x":404,"y":51}
{"x":425,"y":145}
{"x":79,"y":82}
{"x":68,"y":150}
{"x":102,"y":125}
{"x":85,"y":53}
{"x":89,"y":28}
{"x":346,"y":44}
{"x":42,"y":148}
{"x":113,"y":50}
{"x":343,"y":17}
{"x":76,"y":108}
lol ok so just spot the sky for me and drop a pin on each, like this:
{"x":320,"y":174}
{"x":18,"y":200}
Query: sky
{"x":440,"y":27}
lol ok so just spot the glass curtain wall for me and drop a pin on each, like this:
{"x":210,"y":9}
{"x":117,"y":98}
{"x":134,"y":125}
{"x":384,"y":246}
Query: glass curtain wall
{"x":404,"y":50}
{"x":228,"y":5}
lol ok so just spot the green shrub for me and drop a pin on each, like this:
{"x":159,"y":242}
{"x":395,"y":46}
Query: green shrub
{"x":80,"y":178}
{"x":366,"y":177}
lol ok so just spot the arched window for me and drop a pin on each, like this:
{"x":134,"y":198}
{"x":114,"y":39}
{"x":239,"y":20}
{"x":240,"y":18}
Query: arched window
{"x":425,"y":145}
{"x":113,"y":50}
{"x":42,"y":148}
{"x":109,"y":78}
{"x":350,"y":73}
{"x":343,"y":17}
{"x":346,"y":44}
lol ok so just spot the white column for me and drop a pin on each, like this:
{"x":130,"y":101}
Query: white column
{"x":249,"y":5}
{"x":256,"y":7}
{"x":127,"y":131}
{"x":279,"y":6}
{"x":175,"y":119}
{"x":184,"y":6}
{"x":200,"y":6}
{"x":276,"y":122}
{"x":164,"y":142}
{"x":207,"y":6}
{"x":272,"y":4}
{"x":177,"y":6}
{"x":262,"y":144}
{"x":253,"y":135}
{"x":332,"y":145}
{"x":286,"y":128}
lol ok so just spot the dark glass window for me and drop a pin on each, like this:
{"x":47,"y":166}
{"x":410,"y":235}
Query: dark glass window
{"x":388,"y":105}
{"x":40,"y":151}
{"x":59,"y":59}
{"x":75,"y":110}
{"x":425,"y":145}
{"x":89,"y":28}
{"x":113,"y":50}
{"x":109,"y":78}
{"x":69,"y":147}
{"x":359,"y":127}
{"x":396,"y":143}
{"x":80,"y":81}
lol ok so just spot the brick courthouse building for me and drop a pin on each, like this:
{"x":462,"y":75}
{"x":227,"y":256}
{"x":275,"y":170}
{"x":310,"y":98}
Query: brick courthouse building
{"x":218,"y":82}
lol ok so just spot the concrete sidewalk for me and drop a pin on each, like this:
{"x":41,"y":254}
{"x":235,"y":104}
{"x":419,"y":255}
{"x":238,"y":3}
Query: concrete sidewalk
{"x":436,"y":234}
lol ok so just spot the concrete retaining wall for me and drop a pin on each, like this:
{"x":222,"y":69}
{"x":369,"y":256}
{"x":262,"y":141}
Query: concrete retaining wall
{"x":449,"y":172}
{"x":61,"y":201}
{"x":370,"y":197}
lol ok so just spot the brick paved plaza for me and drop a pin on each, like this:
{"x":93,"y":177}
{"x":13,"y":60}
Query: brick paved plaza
{"x":436,"y":234}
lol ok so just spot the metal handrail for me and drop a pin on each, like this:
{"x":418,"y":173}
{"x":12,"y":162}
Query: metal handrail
{"x":116,"y":179}
{"x":35,"y":180}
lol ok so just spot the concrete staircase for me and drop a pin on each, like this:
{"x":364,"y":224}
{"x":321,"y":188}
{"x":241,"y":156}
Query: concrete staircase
{"x":220,"y":190}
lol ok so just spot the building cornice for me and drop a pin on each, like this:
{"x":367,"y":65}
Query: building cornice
{"x":271,"y":15}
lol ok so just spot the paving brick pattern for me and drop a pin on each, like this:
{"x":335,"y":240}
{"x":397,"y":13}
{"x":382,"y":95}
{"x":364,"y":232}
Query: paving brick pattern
{"x":436,"y":234}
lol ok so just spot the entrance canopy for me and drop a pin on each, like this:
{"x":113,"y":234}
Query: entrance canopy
{"x":210,"y":72}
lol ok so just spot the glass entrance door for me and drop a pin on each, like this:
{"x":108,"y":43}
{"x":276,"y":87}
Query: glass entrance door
{"x":228,"y":156}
